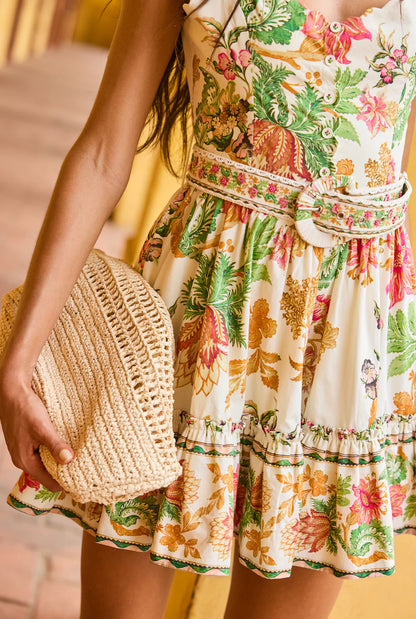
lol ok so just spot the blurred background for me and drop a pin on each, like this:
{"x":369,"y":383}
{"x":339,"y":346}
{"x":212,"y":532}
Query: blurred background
{"x":52,"y":55}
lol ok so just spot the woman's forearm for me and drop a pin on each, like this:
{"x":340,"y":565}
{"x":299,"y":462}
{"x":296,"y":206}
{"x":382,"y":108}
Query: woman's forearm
{"x":82,"y":201}
{"x":93,"y":174}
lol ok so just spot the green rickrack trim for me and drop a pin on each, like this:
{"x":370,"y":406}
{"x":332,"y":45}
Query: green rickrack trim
{"x":317,"y":565}
{"x":198,"y":569}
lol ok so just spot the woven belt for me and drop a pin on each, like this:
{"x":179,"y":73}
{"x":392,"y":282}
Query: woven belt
{"x":322,"y":212}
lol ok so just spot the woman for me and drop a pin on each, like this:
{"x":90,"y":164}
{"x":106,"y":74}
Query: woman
{"x":288,"y":273}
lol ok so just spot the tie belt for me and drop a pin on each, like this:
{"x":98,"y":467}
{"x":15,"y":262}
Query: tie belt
{"x":322,"y":215}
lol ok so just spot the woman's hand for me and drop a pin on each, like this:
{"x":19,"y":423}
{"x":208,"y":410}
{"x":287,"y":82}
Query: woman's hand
{"x":27,"y":425}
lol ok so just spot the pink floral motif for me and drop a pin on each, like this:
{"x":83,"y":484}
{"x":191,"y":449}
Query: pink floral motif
{"x":377,"y":113}
{"x":402,"y":271}
{"x":282,"y":248}
{"x":397,"y":496}
{"x":362,"y":257}
{"x":398,"y":54}
{"x":336,"y":43}
{"x":321,"y":307}
{"x":26,"y":481}
{"x":227,"y":64}
{"x":371,"y":499}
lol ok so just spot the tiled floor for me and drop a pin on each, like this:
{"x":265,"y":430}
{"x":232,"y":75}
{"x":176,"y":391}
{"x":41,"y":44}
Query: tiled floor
{"x":43,"y":106}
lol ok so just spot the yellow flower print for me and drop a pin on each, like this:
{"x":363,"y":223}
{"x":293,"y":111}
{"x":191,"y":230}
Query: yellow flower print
{"x":191,"y":484}
{"x":406,"y":402}
{"x":288,"y":538}
{"x":260,"y":324}
{"x":297,"y":303}
{"x":229,"y":479}
{"x":318,"y":483}
{"x":255,"y":539}
{"x":173,"y":538}
{"x":381,"y":171}
{"x":329,"y":337}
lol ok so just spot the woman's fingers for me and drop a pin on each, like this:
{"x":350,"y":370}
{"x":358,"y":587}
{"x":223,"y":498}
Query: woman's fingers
{"x":34,"y":468}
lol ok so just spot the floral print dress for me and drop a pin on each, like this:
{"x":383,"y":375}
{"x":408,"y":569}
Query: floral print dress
{"x":295,"y":381}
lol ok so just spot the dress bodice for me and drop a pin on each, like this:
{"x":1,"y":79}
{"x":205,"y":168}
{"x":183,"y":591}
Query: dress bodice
{"x":289,"y":92}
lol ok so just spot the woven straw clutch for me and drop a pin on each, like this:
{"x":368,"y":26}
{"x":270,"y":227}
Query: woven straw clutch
{"x":105,"y":375}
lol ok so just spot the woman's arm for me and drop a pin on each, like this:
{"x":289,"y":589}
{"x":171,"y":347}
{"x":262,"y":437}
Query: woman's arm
{"x":91,"y":180}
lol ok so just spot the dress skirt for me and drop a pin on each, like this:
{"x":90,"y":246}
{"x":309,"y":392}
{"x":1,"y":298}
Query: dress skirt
{"x":295,"y":399}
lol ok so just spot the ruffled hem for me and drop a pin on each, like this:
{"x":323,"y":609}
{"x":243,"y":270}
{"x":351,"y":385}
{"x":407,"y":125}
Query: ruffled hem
{"x":318,"y":497}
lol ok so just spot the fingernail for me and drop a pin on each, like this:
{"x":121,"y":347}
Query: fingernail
{"x":65,"y":456}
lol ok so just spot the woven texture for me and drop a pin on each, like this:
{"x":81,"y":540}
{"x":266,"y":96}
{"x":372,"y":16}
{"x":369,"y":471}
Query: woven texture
{"x":105,"y":376}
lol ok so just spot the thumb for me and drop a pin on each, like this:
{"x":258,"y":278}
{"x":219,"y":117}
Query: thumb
{"x":59,"y":449}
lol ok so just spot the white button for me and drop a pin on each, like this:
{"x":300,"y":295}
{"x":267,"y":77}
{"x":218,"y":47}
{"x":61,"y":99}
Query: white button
{"x":327,"y":132}
{"x":330,"y":97}
{"x":324,"y":172}
{"x":335,"y":27}
{"x":330,"y":59}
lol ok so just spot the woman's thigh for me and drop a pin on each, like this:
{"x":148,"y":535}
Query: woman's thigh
{"x":306,"y":593}
{"x":121,"y":584}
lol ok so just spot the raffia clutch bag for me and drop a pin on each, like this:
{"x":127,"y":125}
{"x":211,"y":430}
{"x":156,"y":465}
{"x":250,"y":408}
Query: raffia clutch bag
{"x":105,"y":375}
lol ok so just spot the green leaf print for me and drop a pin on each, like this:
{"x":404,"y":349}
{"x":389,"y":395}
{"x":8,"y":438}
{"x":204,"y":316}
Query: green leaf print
{"x":257,"y":241}
{"x":410,"y":509}
{"x":396,"y":469}
{"x":343,"y":490}
{"x":269,"y":95}
{"x":127,"y":513}
{"x":343,"y":128}
{"x":366,"y":535}
{"x":201,"y":221}
{"x":218,"y":284}
{"x":47,"y":495}
{"x":309,"y":118}
{"x":228,"y":296}
{"x":401,"y":338}
{"x":280,"y":18}
{"x":332,"y":265}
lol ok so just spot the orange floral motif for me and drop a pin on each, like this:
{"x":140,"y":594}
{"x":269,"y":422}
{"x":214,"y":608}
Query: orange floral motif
{"x":229,"y":479}
{"x":173,"y":537}
{"x":260,"y":324}
{"x":288,"y":538}
{"x":255,"y":541}
{"x":313,"y":530}
{"x":278,"y":150}
{"x":202,"y":349}
{"x":345,"y":167}
{"x":261,"y":494}
{"x":221,"y":535}
{"x":297,"y":303}
{"x":293,"y":485}
{"x":381,"y":171}
{"x":406,"y":402}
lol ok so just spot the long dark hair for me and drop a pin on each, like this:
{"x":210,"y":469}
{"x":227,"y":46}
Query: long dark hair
{"x":171,"y":105}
